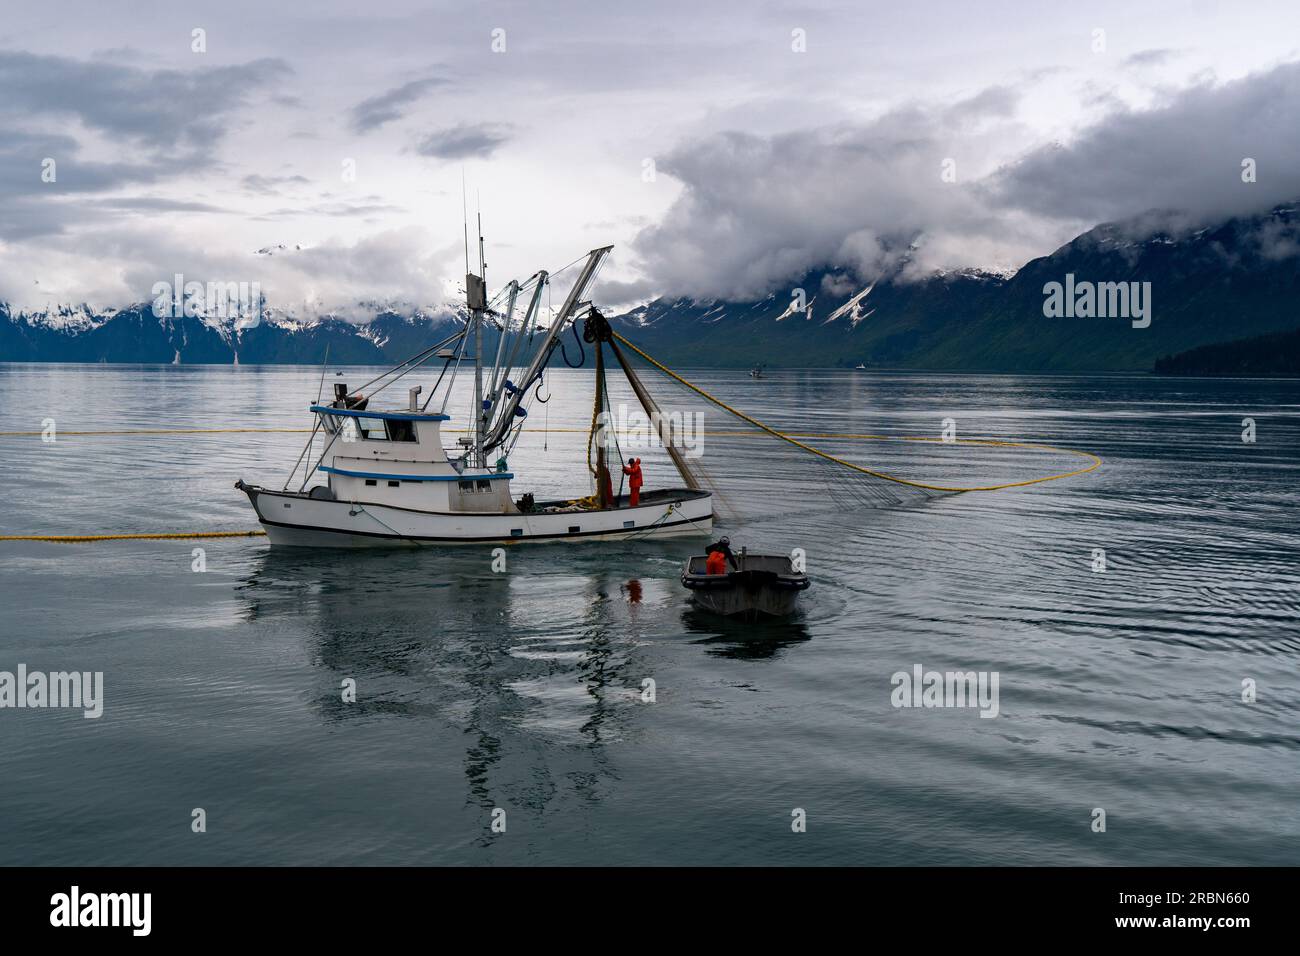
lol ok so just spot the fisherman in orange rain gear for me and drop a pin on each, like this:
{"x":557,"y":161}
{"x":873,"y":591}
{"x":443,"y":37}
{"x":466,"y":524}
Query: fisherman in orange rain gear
{"x":633,"y":470}
{"x":715,"y":563}
{"x":721,"y":549}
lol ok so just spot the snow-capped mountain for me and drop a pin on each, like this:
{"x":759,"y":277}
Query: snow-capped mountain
{"x":72,"y":319}
{"x":361,"y":335}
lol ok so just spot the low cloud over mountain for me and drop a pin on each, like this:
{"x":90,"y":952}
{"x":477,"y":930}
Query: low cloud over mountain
{"x":758,"y":211}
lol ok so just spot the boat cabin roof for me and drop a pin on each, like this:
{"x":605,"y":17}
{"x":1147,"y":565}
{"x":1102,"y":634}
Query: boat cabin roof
{"x":397,"y":416}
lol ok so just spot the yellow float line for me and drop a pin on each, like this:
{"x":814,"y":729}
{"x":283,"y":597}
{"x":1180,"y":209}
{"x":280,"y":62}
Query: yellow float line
{"x":73,"y":538}
{"x":576,"y":431}
{"x":163,"y":431}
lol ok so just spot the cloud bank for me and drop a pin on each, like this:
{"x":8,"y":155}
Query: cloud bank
{"x":914,"y":187}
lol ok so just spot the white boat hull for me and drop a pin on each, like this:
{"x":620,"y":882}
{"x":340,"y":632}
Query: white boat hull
{"x":296,"y":520}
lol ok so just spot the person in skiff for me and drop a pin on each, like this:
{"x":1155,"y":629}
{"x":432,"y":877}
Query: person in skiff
{"x":719,"y":554}
{"x":634,"y":480}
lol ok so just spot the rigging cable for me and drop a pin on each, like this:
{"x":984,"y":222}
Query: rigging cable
{"x":433,"y":391}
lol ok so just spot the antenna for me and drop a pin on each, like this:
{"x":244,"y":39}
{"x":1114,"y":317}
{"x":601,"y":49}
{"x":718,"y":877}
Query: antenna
{"x":482,"y":266}
{"x":464,"y":215}
{"x":323,"y":365}
{"x":479,"y":413}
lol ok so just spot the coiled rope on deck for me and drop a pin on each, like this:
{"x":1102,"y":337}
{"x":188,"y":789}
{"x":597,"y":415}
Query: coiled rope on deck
{"x":1095,"y":462}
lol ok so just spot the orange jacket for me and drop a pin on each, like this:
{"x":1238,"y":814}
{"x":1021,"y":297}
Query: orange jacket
{"x":716,"y":563}
{"x":633,"y":472}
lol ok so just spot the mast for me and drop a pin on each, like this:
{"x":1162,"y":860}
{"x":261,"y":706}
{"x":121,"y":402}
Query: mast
{"x":604,"y":490}
{"x":476,"y":300}
{"x":478,"y":386}
{"x":480,"y":415}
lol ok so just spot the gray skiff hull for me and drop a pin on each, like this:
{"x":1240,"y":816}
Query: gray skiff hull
{"x":764,"y":586}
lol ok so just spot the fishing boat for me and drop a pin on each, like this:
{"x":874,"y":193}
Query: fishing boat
{"x":760,"y":586}
{"x":384,"y":477}
{"x":756,"y":372}
{"x":860,"y":367}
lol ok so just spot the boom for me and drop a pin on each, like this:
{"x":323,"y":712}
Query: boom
{"x":506,"y":416}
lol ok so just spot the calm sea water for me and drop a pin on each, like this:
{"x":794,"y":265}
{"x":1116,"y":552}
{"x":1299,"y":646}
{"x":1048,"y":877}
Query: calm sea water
{"x":522,"y":691}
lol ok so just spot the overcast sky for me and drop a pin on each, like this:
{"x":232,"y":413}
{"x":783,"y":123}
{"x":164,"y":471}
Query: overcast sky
{"x":724,"y":148}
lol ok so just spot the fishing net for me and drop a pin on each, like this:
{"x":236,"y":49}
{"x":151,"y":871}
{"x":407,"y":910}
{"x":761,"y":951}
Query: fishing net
{"x":604,"y":455}
{"x":814,"y":458}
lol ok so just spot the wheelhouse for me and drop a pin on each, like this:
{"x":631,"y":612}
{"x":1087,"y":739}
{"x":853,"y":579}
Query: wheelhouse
{"x":396,"y":457}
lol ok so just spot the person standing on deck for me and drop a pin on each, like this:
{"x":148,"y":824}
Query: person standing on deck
{"x":633,"y":470}
{"x":723,"y":547}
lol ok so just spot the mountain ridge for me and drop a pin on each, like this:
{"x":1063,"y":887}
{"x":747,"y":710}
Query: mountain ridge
{"x":1209,"y":285}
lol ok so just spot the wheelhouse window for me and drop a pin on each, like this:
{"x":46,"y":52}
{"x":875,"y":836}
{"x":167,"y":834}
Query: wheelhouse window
{"x":381,"y":429}
{"x":483,"y":485}
{"x":372,"y":429}
{"x":345,"y":428}
{"x":400,"y":430}
{"x":465,"y":485}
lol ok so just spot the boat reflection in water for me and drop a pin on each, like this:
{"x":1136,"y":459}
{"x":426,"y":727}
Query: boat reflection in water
{"x":528,"y":674}
{"x":741,"y":640}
